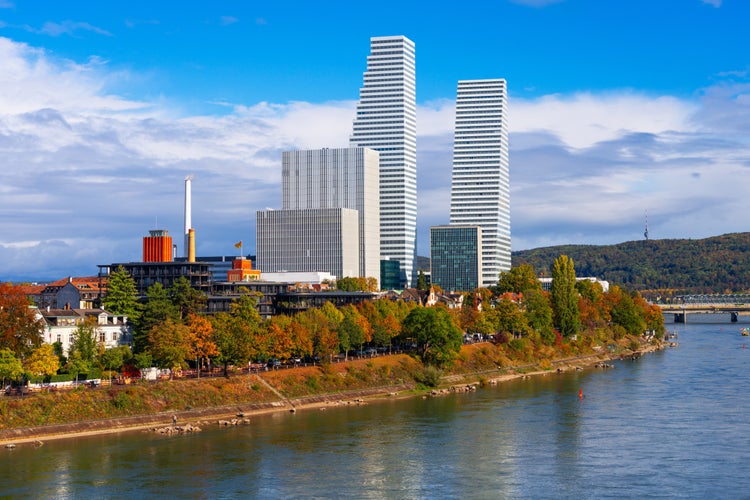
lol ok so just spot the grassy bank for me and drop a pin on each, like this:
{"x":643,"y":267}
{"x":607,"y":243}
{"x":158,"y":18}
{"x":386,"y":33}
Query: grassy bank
{"x":475,"y":362}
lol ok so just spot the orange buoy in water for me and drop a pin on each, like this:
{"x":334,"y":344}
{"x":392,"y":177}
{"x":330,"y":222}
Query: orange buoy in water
{"x":580,"y":393}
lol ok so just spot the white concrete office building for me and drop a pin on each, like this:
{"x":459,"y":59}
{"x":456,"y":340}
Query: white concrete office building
{"x":386,"y":121}
{"x":480,"y":186}
{"x":338,"y":178}
{"x":320,"y":239}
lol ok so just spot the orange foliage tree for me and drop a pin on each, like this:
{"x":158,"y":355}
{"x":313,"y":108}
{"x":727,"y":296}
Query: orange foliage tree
{"x":21,"y":329}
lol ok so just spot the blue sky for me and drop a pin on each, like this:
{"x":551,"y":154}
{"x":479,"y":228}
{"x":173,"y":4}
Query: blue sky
{"x":616,"y":109}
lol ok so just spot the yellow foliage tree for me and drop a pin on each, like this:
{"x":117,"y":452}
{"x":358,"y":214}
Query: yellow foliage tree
{"x":43,"y":361}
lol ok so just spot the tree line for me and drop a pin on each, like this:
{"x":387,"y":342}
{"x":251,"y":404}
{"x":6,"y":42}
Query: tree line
{"x":171,"y":331}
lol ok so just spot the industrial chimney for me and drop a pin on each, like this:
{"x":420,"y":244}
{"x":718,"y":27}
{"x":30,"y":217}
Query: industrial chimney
{"x":191,"y":245}
{"x":188,"y":213}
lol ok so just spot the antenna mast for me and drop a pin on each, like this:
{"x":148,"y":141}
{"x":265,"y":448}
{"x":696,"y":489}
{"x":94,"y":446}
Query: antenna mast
{"x":645,"y":233}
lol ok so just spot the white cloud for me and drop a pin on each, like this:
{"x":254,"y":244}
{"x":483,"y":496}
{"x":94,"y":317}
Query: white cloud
{"x":70,"y":28}
{"x":715,"y":3}
{"x":584,"y":119}
{"x":86,"y":173}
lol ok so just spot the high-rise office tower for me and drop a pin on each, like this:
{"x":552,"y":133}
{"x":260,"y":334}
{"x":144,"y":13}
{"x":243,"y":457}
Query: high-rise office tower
{"x":480,"y":187}
{"x":386,"y":121}
{"x":338,"y":178}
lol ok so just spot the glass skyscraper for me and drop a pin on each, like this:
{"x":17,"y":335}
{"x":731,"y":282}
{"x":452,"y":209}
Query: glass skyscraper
{"x":480,"y":187}
{"x":386,"y":121}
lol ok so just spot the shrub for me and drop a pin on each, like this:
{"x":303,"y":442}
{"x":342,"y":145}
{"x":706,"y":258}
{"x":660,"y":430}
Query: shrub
{"x":429,"y":376}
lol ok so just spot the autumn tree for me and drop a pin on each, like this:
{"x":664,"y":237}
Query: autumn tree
{"x":171,"y":344}
{"x":302,"y":338}
{"x":10,"y":366}
{"x":42,"y":362}
{"x":590,"y":303}
{"x":354,"y":329}
{"x":320,"y":322}
{"x":204,"y":347}
{"x":122,"y":295}
{"x":564,"y":296}
{"x":510,"y":319}
{"x":436,"y":335}
{"x":279,"y":339}
{"x":21,"y":328}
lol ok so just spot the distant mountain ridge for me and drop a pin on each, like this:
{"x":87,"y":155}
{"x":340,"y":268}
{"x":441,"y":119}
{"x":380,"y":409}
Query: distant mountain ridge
{"x":719,"y":264}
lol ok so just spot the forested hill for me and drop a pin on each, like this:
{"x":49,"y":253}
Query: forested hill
{"x":713,"y":265}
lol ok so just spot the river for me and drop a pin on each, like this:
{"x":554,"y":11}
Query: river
{"x":673,"y":424}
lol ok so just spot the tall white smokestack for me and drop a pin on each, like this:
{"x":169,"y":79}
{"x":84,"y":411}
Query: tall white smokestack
{"x":188,"y":213}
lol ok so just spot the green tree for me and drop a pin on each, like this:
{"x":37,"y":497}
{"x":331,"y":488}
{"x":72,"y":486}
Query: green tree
{"x":113,"y":359}
{"x":10,"y":366}
{"x":564,"y":296}
{"x":84,"y":344}
{"x":237,"y":334}
{"x":21,"y":328}
{"x":143,"y":360}
{"x":233,"y":340}
{"x":77,"y":365}
{"x":351,"y":284}
{"x":433,"y":329}
{"x":510,"y":318}
{"x":57,"y":347}
{"x":626,"y":313}
{"x":518,"y":279}
{"x":171,"y":344}
{"x":421,"y":281}
{"x":539,"y":314}
{"x":42,"y":361}
{"x":157,"y":309}
{"x":122,"y":295}
{"x":186,"y":299}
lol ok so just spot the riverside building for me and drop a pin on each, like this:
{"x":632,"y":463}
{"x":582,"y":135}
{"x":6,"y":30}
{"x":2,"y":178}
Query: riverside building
{"x":386,"y":121}
{"x":480,"y":185}
{"x":338,"y":178}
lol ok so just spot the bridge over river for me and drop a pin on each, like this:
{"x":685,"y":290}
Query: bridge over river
{"x":733,"y":304}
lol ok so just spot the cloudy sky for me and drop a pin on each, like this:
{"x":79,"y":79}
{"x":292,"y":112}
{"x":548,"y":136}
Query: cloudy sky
{"x":617,"y":110}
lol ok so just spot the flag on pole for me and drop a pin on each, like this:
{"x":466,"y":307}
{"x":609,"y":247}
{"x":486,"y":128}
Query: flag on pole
{"x":238,"y":244}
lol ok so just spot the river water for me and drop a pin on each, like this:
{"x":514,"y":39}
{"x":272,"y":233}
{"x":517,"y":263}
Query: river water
{"x":673,"y":424}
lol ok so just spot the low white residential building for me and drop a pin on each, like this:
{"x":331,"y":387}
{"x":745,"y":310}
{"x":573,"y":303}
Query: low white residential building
{"x":61,"y":324}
